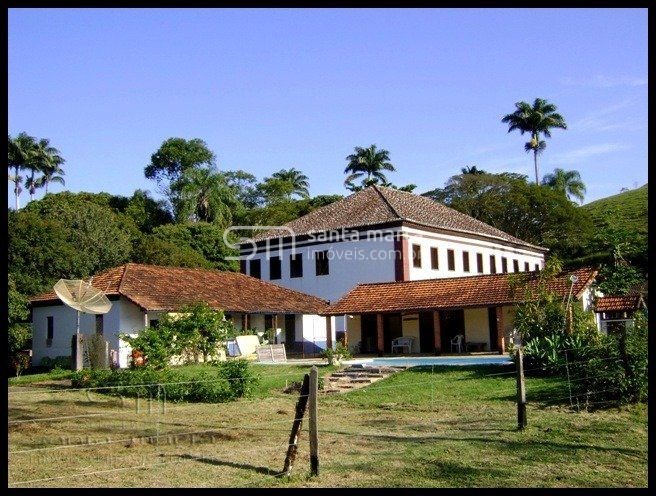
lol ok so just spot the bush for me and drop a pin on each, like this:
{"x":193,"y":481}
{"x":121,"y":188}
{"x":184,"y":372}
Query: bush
{"x":60,"y":362}
{"x":240,"y":377}
{"x":232,"y":380}
{"x":336,"y":354}
{"x":609,"y":369}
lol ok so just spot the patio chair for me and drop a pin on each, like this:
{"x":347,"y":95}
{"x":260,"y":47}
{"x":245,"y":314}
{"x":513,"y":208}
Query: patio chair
{"x":403,"y":342}
{"x":457,"y":342}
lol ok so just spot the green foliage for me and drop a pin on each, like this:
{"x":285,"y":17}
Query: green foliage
{"x":196,"y":330}
{"x":204,"y":195}
{"x":367,"y":165}
{"x":565,"y":182}
{"x":619,"y":279}
{"x":157,"y":251}
{"x":60,"y":362}
{"x":204,"y":238}
{"x":175,"y":156}
{"x":336,"y":354}
{"x":240,"y":377}
{"x":40,"y":252}
{"x":530,"y":212}
{"x":620,"y":228}
{"x":100,"y":236}
{"x":150,"y":383}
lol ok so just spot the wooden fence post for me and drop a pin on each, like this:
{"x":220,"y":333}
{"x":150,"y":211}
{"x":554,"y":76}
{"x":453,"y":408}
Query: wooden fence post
{"x":314,"y":431}
{"x":301,"y":406}
{"x":521,"y":390}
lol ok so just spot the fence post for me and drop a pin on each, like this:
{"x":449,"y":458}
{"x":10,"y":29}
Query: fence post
{"x":77,"y":352}
{"x":314,"y":431}
{"x":521,"y":390}
{"x":301,"y":406}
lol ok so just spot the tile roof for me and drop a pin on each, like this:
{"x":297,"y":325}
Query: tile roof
{"x":154,"y":287}
{"x":454,"y":292}
{"x":617,"y":303}
{"x":380,"y":205}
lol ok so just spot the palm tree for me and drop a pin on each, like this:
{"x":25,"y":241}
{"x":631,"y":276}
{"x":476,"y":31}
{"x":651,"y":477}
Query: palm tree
{"x":203,"y":195}
{"x":567,"y":182}
{"x":537,"y":119}
{"x":18,"y":153}
{"x":299,"y":181}
{"x":472,"y":170}
{"x":51,"y":174}
{"x":41,"y":158}
{"x":369,"y":161}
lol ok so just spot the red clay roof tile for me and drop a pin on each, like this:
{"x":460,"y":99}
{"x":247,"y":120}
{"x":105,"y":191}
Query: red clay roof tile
{"x":455,"y":292}
{"x":154,"y":287}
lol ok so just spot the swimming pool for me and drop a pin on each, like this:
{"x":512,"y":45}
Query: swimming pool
{"x":431,"y":360}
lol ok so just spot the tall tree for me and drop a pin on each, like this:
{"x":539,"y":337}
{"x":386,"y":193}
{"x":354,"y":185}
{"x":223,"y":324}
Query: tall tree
{"x":369,"y":162}
{"x":471,"y":169}
{"x":41,"y":158}
{"x":18,"y":153}
{"x":538,"y":120}
{"x":52,"y":173}
{"x":172,"y":159}
{"x":204,"y":195}
{"x":299,"y":181}
{"x":566,"y":182}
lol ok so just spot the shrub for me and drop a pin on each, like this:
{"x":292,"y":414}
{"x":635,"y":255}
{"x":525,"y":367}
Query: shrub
{"x":336,"y":354}
{"x":240,"y":377}
{"x":60,"y":362}
{"x":205,"y":387}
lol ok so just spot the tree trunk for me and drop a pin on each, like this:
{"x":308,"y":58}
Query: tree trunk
{"x":535,"y":161}
{"x":45,"y":183}
{"x":16,"y":187}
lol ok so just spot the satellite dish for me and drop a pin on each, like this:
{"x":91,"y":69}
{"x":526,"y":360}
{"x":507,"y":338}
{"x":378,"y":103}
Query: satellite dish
{"x":83,"y":297}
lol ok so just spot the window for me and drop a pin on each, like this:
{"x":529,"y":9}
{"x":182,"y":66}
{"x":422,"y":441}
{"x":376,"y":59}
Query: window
{"x":465,"y":261}
{"x":275,"y":268}
{"x":256,"y":269}
{"x":515,"y":265}
{"x":493,"y":264}
{"x":504,"y":265}
{"x":321,"y":262}
{"x":296,"y":265}
{"x":100,"y":324}
{"x":435,"y":262}
{"x":537,"y":266}
{"x":242,"y":266}
{"x":527,"y":267}
{"x":451,"y":260}
{"x":479,"y":263}
{"x":416,"y":255}
{"x":51,"y":328}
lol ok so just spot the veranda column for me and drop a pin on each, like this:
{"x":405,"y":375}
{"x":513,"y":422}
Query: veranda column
{"x":329,"y":332}
{"x":380,"y":334}
{"x":501,"y":340}
{"x":437,"y":332}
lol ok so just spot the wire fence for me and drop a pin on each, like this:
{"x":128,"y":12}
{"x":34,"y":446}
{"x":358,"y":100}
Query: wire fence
{"x":84,"y":436}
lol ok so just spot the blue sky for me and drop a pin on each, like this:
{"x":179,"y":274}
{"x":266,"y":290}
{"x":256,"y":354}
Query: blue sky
{"x":271,"y":89}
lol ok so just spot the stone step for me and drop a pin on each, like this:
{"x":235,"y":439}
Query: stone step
{"x":358,"y":374}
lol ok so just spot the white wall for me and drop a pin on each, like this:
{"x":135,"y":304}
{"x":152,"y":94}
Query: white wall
{"x":477,"y":326}
{"x":122,"y":317}
{"x":445,"y":242}
{"x":350,"y":262}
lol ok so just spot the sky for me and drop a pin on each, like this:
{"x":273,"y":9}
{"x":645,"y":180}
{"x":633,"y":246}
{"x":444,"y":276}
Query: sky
{"x":268,"y":89}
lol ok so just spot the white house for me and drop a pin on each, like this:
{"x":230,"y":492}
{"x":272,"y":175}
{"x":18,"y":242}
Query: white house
{"x":140,"y":294}
{"x":382,"y":234}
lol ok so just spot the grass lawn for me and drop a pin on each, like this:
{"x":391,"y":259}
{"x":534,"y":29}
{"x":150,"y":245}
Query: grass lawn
{"x":447,"y":427}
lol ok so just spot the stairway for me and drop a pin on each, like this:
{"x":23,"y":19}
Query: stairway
{"x":355,"y":377}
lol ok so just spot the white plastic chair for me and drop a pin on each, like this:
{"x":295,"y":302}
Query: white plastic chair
{"x":457,"y":342}
{"x":403,"y":342}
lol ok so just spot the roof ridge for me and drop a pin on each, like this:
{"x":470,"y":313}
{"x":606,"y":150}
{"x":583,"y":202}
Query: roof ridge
{"x":387,"y":202}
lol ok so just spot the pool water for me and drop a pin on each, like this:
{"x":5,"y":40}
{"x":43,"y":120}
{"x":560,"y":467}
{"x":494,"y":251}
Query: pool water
{"x":437,"y":361}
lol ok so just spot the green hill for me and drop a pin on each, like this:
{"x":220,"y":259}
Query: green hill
{"x":629,"y":207}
